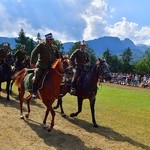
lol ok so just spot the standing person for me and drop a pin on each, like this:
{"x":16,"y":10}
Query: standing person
{"x":42,"y":57}
{"x":20,"y":58}
{"x":79,"y":58}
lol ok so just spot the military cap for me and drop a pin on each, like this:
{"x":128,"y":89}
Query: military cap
{"x":22,"y":45}
{"x":49,"y":36}
{"x":5,"y":44}
{"x":83,"y":43}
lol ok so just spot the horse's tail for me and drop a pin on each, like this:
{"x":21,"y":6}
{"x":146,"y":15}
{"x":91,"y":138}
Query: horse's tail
{"x":18,"y":77}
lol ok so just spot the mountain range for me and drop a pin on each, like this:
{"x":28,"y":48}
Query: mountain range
{"x":113,"y":44}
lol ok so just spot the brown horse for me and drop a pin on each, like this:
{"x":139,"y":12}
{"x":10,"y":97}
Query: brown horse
{"x":86,"y":88}
{"x":47,"y":93}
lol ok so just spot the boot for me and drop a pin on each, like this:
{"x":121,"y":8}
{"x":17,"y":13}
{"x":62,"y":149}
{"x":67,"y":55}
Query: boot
{"x":73,"y":89}
{"x":34,"y":90}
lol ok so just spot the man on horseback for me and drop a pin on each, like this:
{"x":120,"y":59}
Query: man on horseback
{"x":3,"y":53}
{"x":20,"y":58}
{"x":79,"y":58}
{"x":42,"y":57}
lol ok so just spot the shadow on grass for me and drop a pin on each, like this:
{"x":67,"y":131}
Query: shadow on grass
{"x":106,"y":132}
{"x":57,"y":138}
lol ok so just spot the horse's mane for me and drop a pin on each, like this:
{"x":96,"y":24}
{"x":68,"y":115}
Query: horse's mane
{"x":55,"y":63}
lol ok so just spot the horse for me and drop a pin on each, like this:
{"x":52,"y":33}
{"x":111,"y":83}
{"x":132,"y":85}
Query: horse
{"x":6,"y":73}
{"x":86,"y":88}
{"x":48,"y":92}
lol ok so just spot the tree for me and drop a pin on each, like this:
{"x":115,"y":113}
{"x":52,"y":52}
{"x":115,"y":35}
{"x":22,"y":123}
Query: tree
{"x":126,"y":58}
{"x":107,"y":56}
{"x":112,"y":60}
{"x":22,"y":39}
{"x":143,"y":66}
{"x":38,"y":38}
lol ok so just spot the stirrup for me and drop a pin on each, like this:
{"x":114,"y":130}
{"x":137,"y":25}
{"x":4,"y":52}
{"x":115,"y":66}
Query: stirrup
{"x":34,"y":95}
{"x":73,"y":91}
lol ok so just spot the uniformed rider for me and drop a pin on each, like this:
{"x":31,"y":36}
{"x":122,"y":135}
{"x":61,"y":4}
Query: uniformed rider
{"x":42,"y":57}
{"x":20,"y":57}
{"x":79,"y":58}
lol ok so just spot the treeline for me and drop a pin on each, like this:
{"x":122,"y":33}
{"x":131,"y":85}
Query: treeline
{"x":118,"y":64}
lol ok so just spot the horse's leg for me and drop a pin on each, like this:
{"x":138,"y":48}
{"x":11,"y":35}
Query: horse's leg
{"x":80,"y":101}
{"x":21,"y":95}
{"x":28,"y":105}
{"x":49,"y":108}
{"x":92,"y":106}
{"x":0,"y":89}
{"x":59,"y":103}
{"x":11,"y":84}
{"x":7,"y":89}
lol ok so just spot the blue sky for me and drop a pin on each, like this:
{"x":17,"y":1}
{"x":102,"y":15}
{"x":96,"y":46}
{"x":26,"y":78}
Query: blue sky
{"x":74,"y":20}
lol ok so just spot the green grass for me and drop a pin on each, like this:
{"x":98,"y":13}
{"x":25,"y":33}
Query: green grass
{"x":126,"y":111}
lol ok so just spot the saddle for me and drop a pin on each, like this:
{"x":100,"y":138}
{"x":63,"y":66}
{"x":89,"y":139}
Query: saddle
{"x":29,"y":79}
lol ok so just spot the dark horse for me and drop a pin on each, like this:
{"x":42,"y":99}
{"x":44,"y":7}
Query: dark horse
{"x":48,"y":91}
{"x":86,"y":88}
{"x":6,"y":72}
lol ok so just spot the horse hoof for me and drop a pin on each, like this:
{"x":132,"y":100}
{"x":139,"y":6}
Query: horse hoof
{"x":63,"y":115}
{"x":27,"y":116}
{"x":49,"y":130}
{"x":21,"y":117}
{"x":45,"y":126}
{"x":95,"y":126}
{"x":55,"y":107}
{"x":72,"y":115}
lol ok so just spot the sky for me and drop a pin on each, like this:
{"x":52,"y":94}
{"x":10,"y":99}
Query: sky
{"x":74,"y":20}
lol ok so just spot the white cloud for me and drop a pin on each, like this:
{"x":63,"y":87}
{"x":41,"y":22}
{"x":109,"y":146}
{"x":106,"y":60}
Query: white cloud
{"x":94,"y":17}
{"x":125,"y":29}
{"x":68,"y":20}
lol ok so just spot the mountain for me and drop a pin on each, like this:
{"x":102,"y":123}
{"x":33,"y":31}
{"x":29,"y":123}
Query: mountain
{"x":11,"y":41}
{"x":113,"y":44}
{"x":143,"y":47}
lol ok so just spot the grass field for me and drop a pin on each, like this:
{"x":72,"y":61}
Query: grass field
{"x":125,"y":110}
{"x":123,"y":114}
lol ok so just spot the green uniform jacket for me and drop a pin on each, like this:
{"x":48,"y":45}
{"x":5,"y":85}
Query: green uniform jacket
{"x":20,"y":56}
{"x":79,"y":58}
{"x":43,"y":55}
{"x":3,"y":54}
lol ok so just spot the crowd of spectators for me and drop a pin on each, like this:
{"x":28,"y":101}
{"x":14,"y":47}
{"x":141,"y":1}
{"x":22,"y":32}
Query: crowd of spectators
{"x":135,"y":80}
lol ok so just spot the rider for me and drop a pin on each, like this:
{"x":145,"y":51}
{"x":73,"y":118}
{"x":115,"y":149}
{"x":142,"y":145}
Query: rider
{"x":79,"y":58}
{"x":20,"y":57}
{"x":42,"y":57}
{"x":3,"y":53}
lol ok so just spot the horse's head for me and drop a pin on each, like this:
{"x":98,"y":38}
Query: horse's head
{"x":68,"y":70}
{"x":104,"y":71}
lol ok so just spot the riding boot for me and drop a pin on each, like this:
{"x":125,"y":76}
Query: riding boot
{"x":73,"y":88}
{"x":34,"y":90}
